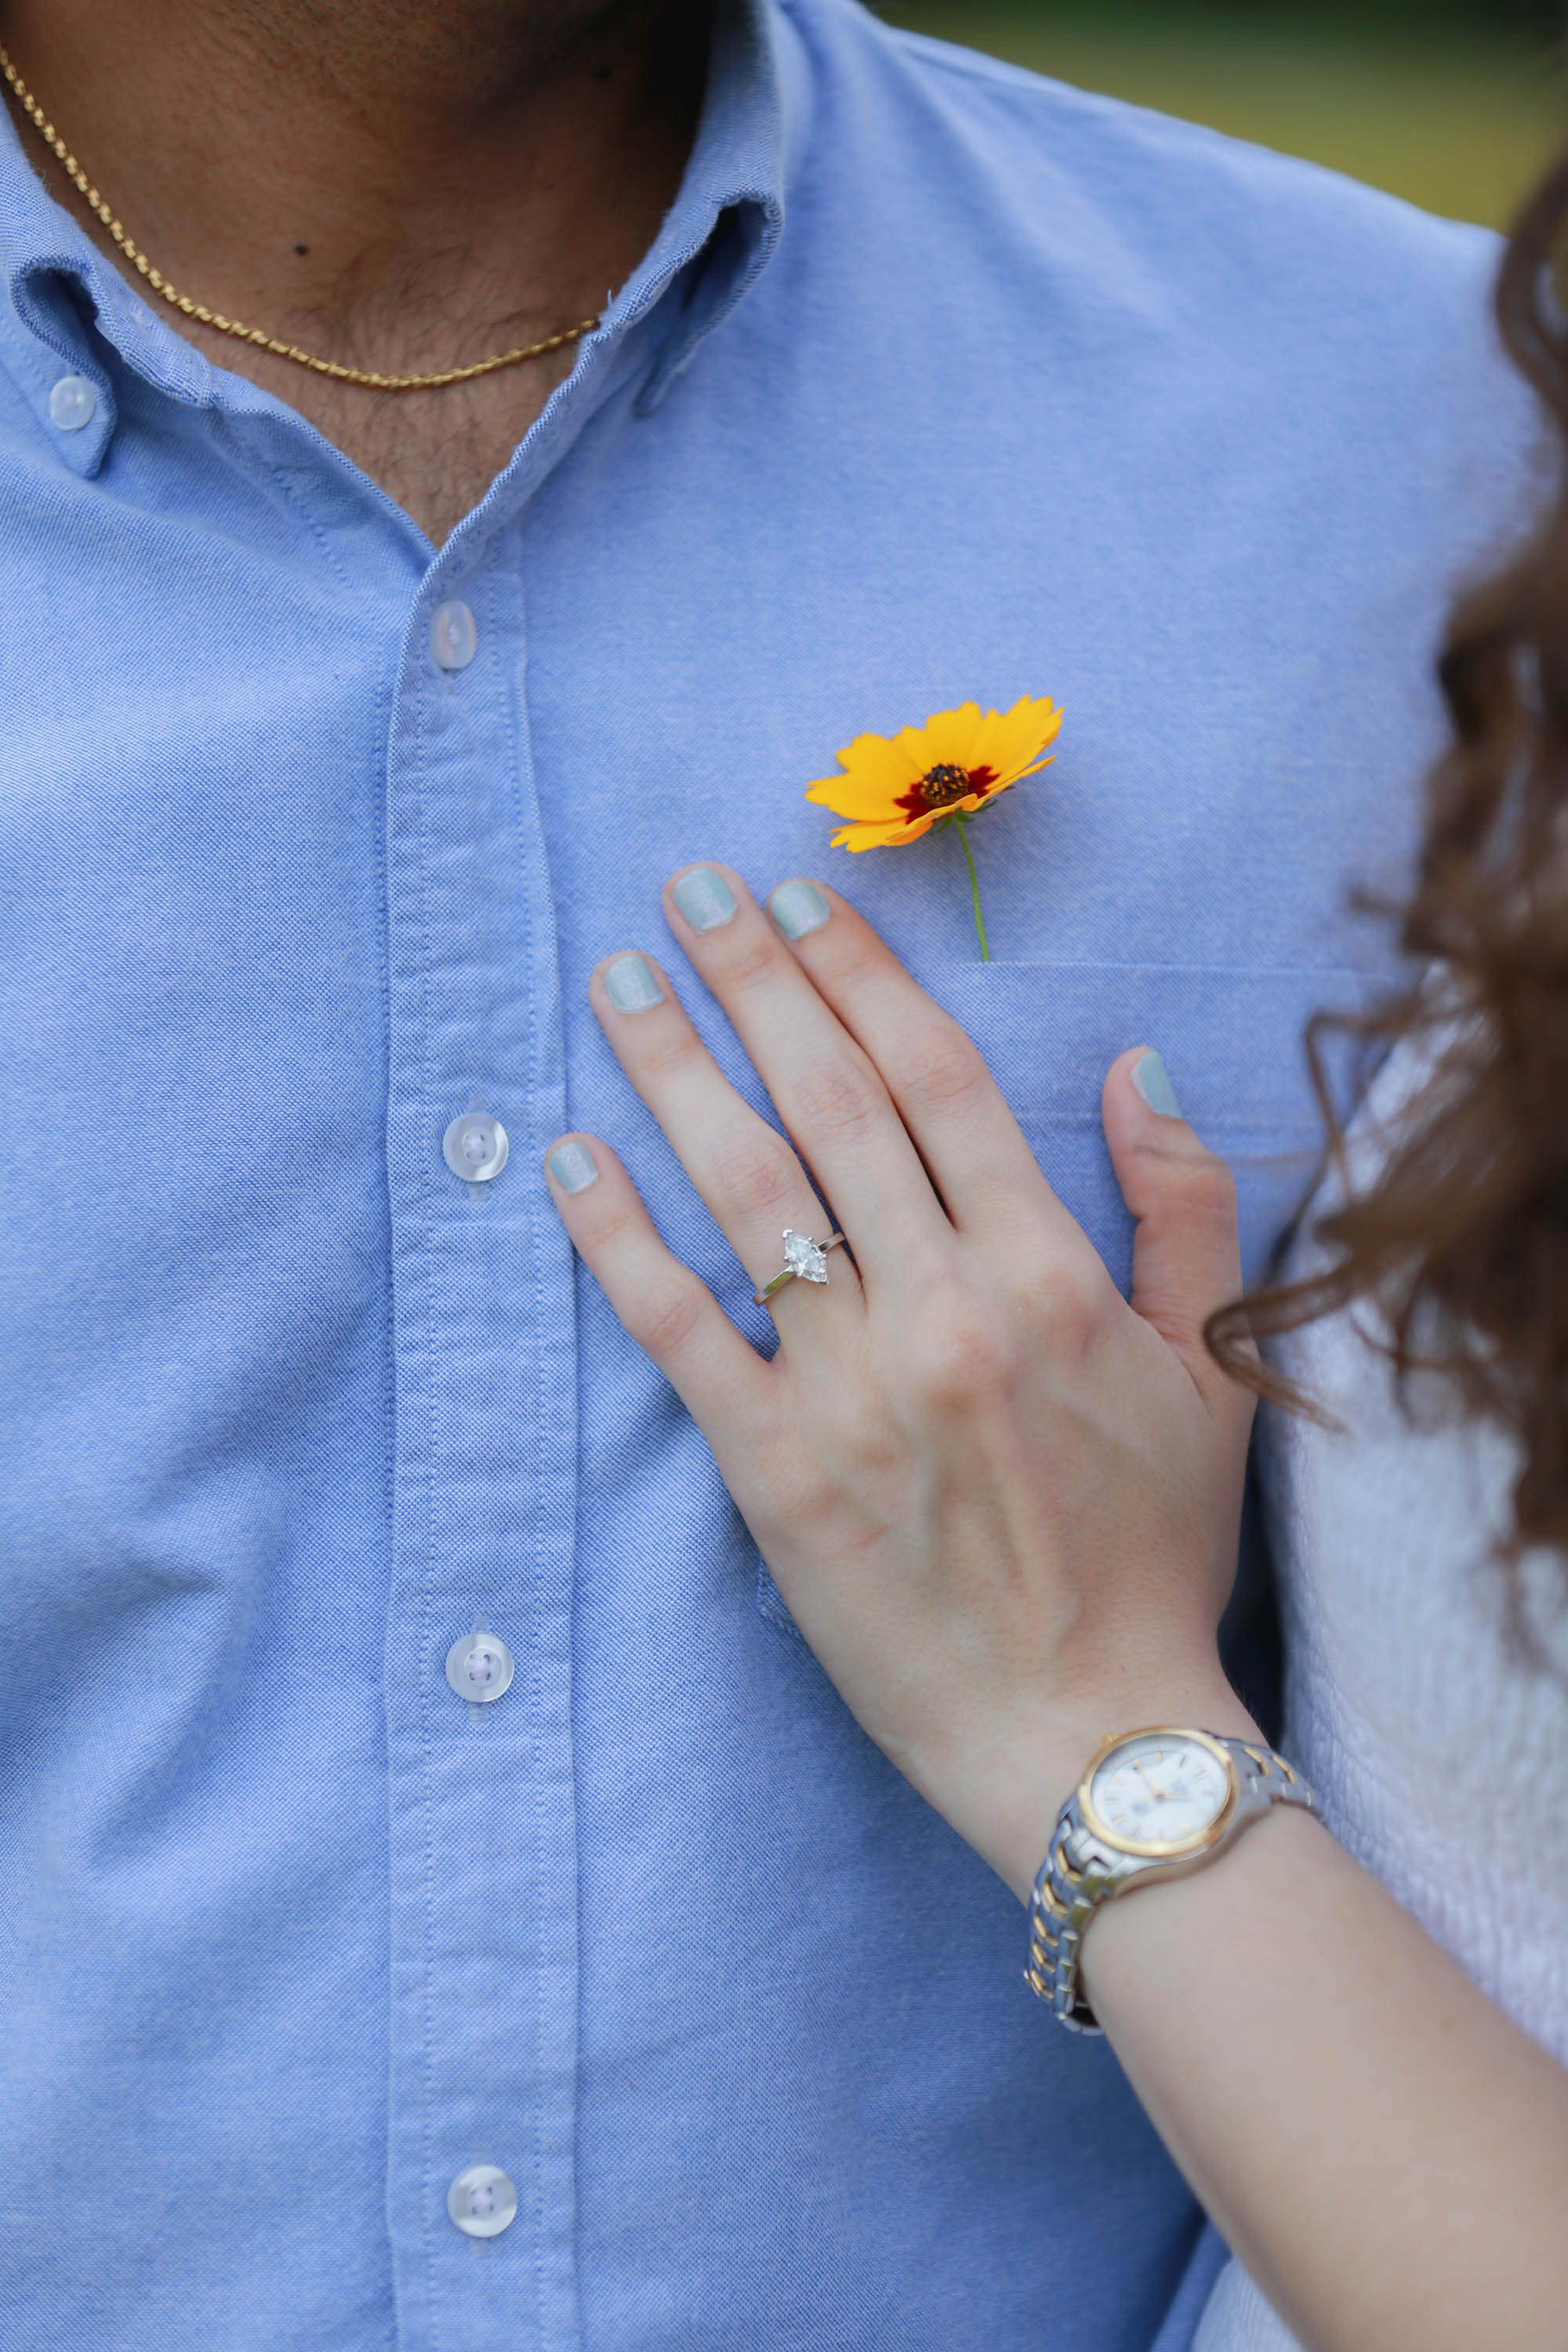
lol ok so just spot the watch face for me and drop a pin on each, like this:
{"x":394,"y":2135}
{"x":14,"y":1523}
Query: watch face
{"x":1160,"y":1791}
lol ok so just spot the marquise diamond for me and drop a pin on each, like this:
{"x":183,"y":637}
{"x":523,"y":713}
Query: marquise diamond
{"x":804,"y":1258}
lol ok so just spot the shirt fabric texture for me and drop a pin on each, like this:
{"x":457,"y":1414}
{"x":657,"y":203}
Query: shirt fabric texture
{"x":941,"y":382}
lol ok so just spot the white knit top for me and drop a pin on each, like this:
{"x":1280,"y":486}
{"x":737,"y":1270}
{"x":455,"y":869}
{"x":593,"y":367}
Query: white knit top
{"x":1435,"y":1736}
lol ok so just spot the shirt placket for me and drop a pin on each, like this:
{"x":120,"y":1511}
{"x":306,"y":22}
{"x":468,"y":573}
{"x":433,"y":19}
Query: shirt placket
{"x":482,"y":1837}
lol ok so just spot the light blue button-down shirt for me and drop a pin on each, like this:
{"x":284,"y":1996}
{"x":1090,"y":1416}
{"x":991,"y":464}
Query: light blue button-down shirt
{"x":941,"y":382}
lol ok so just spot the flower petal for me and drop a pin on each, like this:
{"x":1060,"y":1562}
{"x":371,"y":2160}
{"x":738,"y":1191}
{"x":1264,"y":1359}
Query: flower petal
{"x":993,"y":741}
{"x":881,"y":836}
{"x":873,"y":760}
{"x":1003,"y":741}
{"x":947,"y":737}
{"x":1014,"y":738}
{"x":854,"y":796}
{"x":893,"y":836}
{"x":1047,"y":723}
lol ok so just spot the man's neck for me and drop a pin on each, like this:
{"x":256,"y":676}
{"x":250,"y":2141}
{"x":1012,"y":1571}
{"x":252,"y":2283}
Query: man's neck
{"x":404,"y":185}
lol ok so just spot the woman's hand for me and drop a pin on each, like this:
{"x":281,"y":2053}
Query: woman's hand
{"x":1001,"y":1502}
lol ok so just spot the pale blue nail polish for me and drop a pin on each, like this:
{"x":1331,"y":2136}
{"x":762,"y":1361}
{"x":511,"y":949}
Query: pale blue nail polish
{"x":704,"y":897}
{"x":572,"y":1165}
{"x":798,"y":907}
{"x":630,"y":985}
{"x":1152,"y":1082}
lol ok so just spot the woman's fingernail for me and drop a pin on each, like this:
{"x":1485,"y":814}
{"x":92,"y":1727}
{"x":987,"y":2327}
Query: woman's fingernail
{"x":798,"y":907}
{"x":704,"y":897}
{"x":1153,"y":1081}
{"x":572,"y":1165}
{"x":630,"y":985}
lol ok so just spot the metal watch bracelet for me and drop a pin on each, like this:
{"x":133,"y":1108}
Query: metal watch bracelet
{"x":1083,"y":1869}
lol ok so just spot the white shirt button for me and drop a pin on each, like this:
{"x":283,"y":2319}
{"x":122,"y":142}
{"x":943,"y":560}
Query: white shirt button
{"x":483,"y":2201}
{"x":73,"y":403}
{"x":475,"y":1147}
{"x":480,"y":1666}
{"x":454,"y":640}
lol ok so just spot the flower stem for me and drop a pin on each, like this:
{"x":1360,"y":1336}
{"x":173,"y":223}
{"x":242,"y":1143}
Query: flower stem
{"x":973,"y":883}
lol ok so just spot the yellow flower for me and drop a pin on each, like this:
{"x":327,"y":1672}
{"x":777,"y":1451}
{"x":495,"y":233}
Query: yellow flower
{"x":932,"y":777}
{"x":895,"y":789}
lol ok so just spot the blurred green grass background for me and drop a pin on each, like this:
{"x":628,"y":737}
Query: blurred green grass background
{"x":1454,"y":106}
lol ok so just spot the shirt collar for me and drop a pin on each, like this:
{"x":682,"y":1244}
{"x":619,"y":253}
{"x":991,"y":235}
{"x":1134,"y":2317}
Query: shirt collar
{"x":726,"y":222}
{"x":67,"y":309}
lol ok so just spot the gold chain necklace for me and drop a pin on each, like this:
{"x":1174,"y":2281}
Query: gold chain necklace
{"x":258,"y":335}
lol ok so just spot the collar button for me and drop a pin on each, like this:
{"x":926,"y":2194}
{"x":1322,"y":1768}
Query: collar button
{"x":73,"y":403}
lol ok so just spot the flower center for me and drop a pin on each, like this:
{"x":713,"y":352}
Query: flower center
{"x":940,"y":786}
{"x":943,"y":784}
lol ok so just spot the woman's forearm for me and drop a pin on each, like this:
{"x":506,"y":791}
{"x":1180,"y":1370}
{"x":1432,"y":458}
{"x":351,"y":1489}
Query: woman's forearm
{"x":1384,"y":2151}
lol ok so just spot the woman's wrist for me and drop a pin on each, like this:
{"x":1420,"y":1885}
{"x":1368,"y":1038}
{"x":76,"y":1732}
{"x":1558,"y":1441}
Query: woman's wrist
{"x":1027,"y":1798}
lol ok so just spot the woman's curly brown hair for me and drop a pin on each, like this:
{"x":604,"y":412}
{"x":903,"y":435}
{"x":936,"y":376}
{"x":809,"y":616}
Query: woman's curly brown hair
{"x":1461,"y":1239}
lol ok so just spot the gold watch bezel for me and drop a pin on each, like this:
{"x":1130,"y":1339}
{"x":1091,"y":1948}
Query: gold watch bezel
{"x":1160,"y":1849}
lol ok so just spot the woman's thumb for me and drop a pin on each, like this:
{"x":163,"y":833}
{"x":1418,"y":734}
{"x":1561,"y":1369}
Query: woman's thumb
{"x":1187,"y":1259}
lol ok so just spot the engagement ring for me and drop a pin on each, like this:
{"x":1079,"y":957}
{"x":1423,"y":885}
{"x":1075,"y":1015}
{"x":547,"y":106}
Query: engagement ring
{"x":803,"y":1257}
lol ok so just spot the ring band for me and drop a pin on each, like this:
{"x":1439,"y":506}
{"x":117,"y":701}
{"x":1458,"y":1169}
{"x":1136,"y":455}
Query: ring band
{"x":804,"y":1259}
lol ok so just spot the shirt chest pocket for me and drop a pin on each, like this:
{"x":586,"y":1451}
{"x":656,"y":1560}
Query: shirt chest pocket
{"x":1231,"y":1037}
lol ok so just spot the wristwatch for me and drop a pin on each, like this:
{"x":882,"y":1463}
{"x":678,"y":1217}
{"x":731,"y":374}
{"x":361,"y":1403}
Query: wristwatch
{"x":1152,"y":1804}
